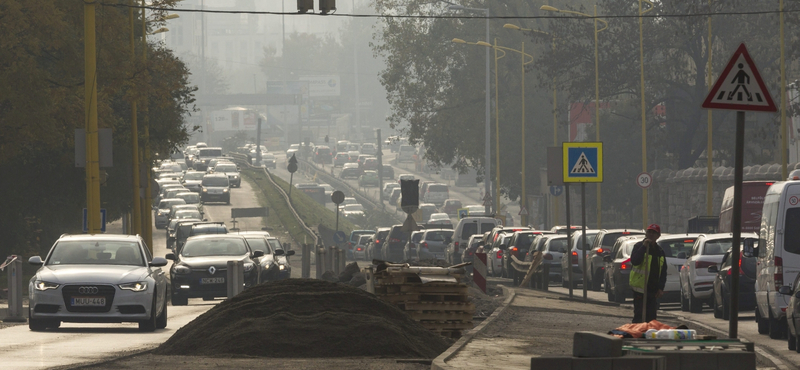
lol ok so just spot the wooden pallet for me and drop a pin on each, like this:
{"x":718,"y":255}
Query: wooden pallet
{"x":404,"y":278}
{"x":416,"y":298}
{"x":440,"y":316}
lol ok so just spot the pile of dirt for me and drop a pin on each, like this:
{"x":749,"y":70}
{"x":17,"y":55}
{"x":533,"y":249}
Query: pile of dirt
{"x":298,"y":318}
{"x":485,"y":304}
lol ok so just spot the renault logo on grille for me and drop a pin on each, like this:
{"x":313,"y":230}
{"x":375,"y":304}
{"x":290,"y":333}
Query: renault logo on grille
{"x":212,"y":270}
{"x":88,"y":290}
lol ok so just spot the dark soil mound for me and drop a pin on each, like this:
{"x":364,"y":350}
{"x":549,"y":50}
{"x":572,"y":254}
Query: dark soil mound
{"x":304,"y":318}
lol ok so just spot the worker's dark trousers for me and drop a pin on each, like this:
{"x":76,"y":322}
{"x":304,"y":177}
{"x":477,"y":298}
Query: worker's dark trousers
{"x":652,"y":306}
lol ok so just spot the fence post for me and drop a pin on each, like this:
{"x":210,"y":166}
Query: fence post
{"x":235,"y":278}
{"x":342,"y":259}
{"x":320,"y":261}
{"x":15,"y":313}
{"x":306,"y":261}
{"x":335,"y":260}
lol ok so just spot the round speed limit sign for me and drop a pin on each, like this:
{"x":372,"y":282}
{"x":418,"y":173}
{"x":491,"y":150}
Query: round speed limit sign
{"x":644,"y":180}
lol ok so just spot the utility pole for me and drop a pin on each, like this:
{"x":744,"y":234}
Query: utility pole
{"x":90,"y":103}
{"x":136,"y":206}
{"x":355,"y":76}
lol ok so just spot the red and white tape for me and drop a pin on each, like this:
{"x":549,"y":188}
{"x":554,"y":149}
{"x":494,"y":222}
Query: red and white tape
{"x":479,"y":271}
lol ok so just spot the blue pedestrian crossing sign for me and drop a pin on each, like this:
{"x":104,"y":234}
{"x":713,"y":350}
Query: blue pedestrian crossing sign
{"x":583,"y":161}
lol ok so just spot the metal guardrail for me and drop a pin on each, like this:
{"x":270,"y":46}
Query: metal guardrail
{"x":343,"y":185}
{"x":242,"y":159}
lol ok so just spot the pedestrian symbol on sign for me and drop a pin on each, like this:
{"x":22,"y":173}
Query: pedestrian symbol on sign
{"x":742,"y":79}
{"x":582,"y":165}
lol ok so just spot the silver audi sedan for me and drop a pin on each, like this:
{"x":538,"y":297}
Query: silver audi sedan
{"x":98,"y":279}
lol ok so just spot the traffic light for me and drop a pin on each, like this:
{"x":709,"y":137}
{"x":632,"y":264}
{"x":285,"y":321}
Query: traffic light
{"x":327,"y":6}
{"x":303,"y":6}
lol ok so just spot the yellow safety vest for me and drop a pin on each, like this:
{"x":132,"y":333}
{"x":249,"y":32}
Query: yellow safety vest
{"x":638,"y":275}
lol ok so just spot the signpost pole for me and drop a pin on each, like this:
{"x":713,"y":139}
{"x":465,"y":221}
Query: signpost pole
{"x":583,"y":238}
{"x":736,"y":226}
{"x":569,"y":243}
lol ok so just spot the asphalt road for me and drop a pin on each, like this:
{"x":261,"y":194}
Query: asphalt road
{"x":73,"y":343}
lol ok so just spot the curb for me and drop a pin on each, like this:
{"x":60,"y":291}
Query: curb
{"x":439,"y":363}
{"x":107,"y":360}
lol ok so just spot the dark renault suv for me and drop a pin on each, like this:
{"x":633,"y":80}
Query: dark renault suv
{"x":215,"y":188}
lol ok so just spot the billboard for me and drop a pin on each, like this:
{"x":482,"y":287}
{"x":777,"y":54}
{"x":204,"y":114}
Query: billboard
{"x":234,"y":119}
{"x":328,"y":85}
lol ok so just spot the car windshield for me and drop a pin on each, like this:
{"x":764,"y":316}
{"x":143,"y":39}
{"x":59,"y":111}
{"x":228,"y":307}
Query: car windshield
{"x":207,"y":152}
{"x":416,"y":237}
{"x":524,"y":240}
{"x":437,"y":188}
{"x":258,"y":243}
{"x":353,"y":207}
{"x":194,"y":176}
{"x":190,"y":198}
{"x":225,"y":168}
{"x":275,"y":244}
{"x":214,"y":247}
{"x":215,"y":181}
{"x":558,"y":245}
{"x":717,"y":247}
{"x":674,"y":247}
{"x":438,"y":236}
{"x":103,"y":252}
{"x":576,"y":238}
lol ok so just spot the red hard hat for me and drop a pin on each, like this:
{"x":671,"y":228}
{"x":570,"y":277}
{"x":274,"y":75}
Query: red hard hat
{"x":655,"y":228}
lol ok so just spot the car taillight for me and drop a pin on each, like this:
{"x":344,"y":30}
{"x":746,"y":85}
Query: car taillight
{"x":626,"y":264}
{"x":377,"y":241}
{"x":778,"y":273}
{"x":600,"y":250}
{"x":703,"y":264}
{"x":740,"y":266}
{"x":471,"y":253}
{"x":455,"y":246}
{"x":574,"y":257}
{"x":499,"y":254}
{"x":514,"y":251}
{"x":394,"y":240}
{"x":359,"y":249}
{"x":548,"y":256}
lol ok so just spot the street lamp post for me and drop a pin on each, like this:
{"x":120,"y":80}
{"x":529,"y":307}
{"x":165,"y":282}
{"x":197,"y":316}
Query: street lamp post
{"x":596,"y":87}
{"x":487,"y":184}
{"x":90,"y":104}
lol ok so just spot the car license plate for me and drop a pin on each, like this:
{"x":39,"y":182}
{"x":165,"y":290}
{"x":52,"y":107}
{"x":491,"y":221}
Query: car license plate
{"x":88,"y":301}
{"x":219,"y":280}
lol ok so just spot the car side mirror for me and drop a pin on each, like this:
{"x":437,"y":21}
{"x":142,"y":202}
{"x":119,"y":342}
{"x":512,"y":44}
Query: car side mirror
{"x":170,"y":256}
{"x":257,"y":254}
{"x":682,"y":255}
{"x":785,"y":290}
{"x":35,"y":260}
{"x":713,"y":269}
{"x":289,"y":253}
{"x":279,"y":252}
{"x":158,"y":262}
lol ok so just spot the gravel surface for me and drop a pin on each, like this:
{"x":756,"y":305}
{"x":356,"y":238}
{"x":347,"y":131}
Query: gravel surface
{"x":151,"y":361}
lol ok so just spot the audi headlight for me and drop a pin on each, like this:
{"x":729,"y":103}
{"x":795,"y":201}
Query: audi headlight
{"x":249,"y":267}
{"x":181,"y":270}
{"x":281,"y":267}
{"x":138,"y":286}
{"x":44,"y":285}
{"x":225,"y":190}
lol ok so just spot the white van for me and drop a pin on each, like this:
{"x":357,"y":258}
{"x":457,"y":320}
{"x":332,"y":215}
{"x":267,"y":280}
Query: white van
{"x":467,"y":227}
{"x":778,"y":255}
{"x":436,"y":194}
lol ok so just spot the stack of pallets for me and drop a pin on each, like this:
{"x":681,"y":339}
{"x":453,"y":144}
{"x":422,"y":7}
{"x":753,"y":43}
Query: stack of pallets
{"x":433,"y":296}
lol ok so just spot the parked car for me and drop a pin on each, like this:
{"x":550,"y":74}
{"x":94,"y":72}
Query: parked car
{"x":721,"y":296}
{"x":350,"y":170}
{"x":436,"y":194}
{"x":270,"y":269}
{"x":439,"y":219}
{"x":215,"y":188}
{"x":230,"y":170}
{"x":553,"y":248}
{"x":434,"y":243}
{"x":451,"y":206}
{"x":392,"y":250}
{"x":368,"y":178}
{"x":778,"y":256}
{"x":467,"y":227}
{"x":194,"y":272}
{"x":411,"y":249}
{"x":353,"y":239}
{"x":601,"y":245}
{"x":697,"y":283}
{"x":98,"y":278}
{"x":386,"y":192}
{"x":673,"y":246}
{"x":574,"y":261}
{"x":375,"y":247}
{"x":360,"y":249}
{"x":388,"y":172}
{"x":340,"y":159}
{"x":618,"y":268}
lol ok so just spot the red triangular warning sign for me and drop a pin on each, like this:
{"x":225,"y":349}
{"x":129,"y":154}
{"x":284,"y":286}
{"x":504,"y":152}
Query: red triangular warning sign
{"x":740,"y":86}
